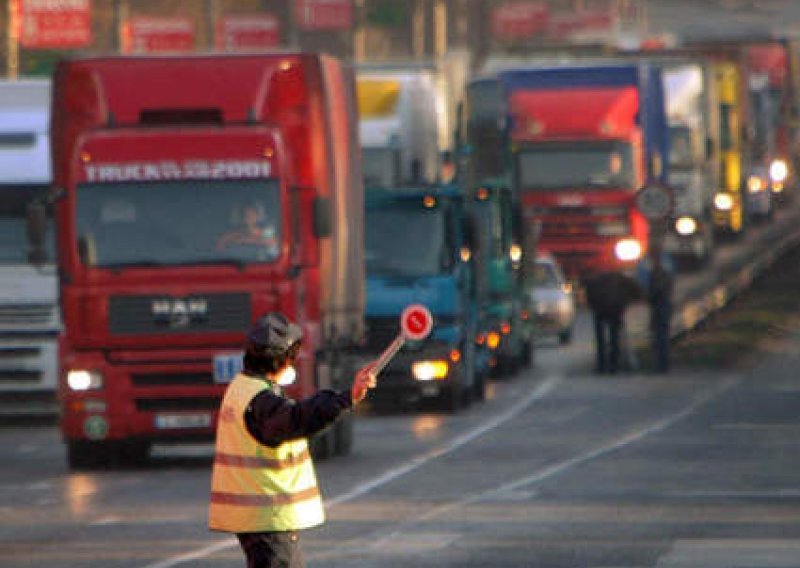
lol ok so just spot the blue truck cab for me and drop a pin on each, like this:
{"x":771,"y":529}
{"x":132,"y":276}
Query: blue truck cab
{"x":420,"y":245}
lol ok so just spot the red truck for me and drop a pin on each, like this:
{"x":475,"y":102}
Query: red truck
{"x":584,"y":139}
{"x":195,"y":194}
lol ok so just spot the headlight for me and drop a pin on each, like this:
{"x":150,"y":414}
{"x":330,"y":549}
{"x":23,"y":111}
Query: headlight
{"x":628,"y":250}
{"x":81,"y":380}
{"x":755,"y":184}
{"x":723,"y":201}
{"x":685,"y":226}
{"x":778,"y":171}
{"x":612,"y":229}
{"x":429,"y":370}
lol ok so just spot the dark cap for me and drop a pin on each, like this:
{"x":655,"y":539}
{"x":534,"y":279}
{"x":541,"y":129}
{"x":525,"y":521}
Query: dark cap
{"x":273,"y":335}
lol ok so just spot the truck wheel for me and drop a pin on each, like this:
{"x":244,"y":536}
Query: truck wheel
{"x":322,"y":445}
{"x":85,"y":455}
{"x":479,"y":388}
{"x":453,"y":398}
{"x":343,"y":435}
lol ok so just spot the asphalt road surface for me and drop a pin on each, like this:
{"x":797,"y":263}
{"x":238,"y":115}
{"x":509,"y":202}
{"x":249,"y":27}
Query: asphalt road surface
{"x":558,"y":468}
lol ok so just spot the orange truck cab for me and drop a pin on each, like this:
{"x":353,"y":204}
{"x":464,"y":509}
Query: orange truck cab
{"x":193,"y":195}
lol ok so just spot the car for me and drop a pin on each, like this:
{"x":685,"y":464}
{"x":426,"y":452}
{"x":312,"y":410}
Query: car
{"x":553,"y":299}
{"x":759,"y":194}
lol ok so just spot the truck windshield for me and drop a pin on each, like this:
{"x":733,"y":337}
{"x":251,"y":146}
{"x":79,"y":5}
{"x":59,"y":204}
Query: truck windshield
{"x":573,"y":165}
{"x":405,"y":240}
{"x":13,"y":224}
{"x":381,"y":167}
{"x":681,"y":147}
{"x":186,"y":222}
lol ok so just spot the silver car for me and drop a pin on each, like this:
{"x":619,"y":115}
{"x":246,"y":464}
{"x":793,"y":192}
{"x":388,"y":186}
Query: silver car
{"x":553,"y":300}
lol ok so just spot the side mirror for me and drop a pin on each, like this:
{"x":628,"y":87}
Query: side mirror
{"x":37,"y":233}
{"x":323,"y":219}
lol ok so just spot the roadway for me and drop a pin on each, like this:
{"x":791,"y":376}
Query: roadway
{"x":558,"y":468}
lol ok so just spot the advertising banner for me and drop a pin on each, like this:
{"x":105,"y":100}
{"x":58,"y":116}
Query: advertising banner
{"x":54,"y":24}
{"x":519,"y":20}
{"x":247,"y":32}
{"x":156,"y":34}
{"x":315,"y":15}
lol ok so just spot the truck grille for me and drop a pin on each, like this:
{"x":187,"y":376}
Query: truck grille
{"x":171,"y":379}
{"x":131,"y":315}
{"x":380,"y":333}
{"x":578,"y":222}
{"x":25,"y":314}
{"x":177,"y":404}
{"x":26,"y":364}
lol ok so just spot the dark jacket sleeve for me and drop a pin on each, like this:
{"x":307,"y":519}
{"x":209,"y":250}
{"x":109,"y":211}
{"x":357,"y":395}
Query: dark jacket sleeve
{"x":273,"y":419}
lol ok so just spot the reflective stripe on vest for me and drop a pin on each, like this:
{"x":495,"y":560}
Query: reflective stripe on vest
{"x":255,"y":488}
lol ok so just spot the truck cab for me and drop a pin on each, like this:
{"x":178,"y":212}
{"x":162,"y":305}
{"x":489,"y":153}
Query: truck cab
{"x":196,"y":194}
{"x":419,"y":249}
{"x":29,"y":313}
{"x":577,"y":173}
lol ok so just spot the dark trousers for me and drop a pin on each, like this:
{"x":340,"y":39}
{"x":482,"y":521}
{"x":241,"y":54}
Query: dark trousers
{"x":660,"y":315}
{"x":606,"y":333}
{"x":272,"y":550}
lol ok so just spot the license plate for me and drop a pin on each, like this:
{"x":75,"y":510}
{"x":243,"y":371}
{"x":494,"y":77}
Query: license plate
{"x":170,"y":421}
{"x":226,"y":367}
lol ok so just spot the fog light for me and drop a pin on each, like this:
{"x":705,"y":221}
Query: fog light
{"x":493,"y":340}
{"x":755,"y":184}
{"x":429,"y":370}
{"x":628,"y":250}
{"x":82,"y":380}
{"x":723,"y":201}
{"x":778,"y":171}
{"x":686,"y":226}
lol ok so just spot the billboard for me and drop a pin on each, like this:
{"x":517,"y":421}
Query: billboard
{"x":53,"y":24}
{"x":315,"y":15}
{"x":519,"y":20}
{"x":158,"y":34}
{"x":247,"y":32}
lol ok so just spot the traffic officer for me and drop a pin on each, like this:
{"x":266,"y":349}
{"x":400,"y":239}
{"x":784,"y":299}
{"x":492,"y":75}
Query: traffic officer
{"x":263,"y":486}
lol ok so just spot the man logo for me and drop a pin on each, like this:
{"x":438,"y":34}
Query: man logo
{"x":179,"y":312}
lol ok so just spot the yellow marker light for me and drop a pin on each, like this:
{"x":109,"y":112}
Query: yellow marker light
{"x":81,"y":380}
{"x":778,"y":171}
{"x":429,"y":370}
{"x":455,"y":355}
{"x":480,"y":339}
{"x":269,"y":152}
{"x":685,"y":226}
{"x":465,"y":253}
{"x":86,"y":157}
{"x":493,"y":340}
{"x":628,"y":250}
{"x":777,"y":187}
{"x":515,"y":252}
{"x":505,"y":328}
{"x":429,"y":201}
{"x":723,"y":202}
{"x":755,"y":184}
{"x":482,"y":194}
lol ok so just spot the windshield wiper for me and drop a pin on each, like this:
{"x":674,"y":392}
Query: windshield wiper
{"x":238,"y":263}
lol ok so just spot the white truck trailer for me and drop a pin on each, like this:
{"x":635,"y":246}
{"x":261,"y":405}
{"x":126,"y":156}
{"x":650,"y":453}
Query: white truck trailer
{"x":692,"y":123}
{"x":408,"y":114}
{"x":29,"y":314}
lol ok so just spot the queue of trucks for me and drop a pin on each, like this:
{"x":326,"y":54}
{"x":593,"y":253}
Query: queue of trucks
{"x":370,"y":188}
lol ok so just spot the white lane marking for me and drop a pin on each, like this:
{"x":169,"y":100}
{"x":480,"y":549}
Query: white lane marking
{"x":524,"y":483}
{"x":541,"y":390}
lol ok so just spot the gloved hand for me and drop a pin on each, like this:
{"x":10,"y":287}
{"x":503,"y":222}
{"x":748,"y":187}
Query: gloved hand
{"x":364,"y":380}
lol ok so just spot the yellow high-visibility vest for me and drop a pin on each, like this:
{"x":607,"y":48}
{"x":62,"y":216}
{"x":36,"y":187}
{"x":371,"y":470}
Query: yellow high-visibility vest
{"x":255,"y":488}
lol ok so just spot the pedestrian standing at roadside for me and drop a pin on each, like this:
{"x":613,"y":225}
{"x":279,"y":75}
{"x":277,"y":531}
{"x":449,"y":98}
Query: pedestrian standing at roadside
{"x":656,"y":275}
{"x":264,"y":488}
{"x":608,"y":294}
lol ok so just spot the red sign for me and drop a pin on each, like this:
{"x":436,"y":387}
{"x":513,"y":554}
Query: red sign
{"x":54,"y":24}
{"x":313,"y":15}
{"x":152,"y":34}
{"x":565,"y":24}
{"x":416,"y":322}
{"x":247,"y":32}
{"x":519,"y":20}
